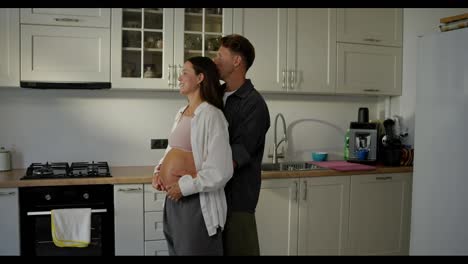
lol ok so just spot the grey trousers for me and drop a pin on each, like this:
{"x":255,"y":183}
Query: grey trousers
{"x":185,"y":230}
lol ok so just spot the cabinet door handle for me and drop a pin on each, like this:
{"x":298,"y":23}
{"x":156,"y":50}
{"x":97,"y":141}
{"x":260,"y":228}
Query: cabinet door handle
{"x":372,"y":40}
{"x":296,"y":187}
{"x":7,"y":193}
{"x":67,"y":20}
{"x":371,"y":90}
{"x":169,"y":75}
{"x":284,"y":80}
{"x":293,"y":79}
{"x":305,"y":191}
{"x":178,"y":70}
{"x":383,"y":178}
{"x":130,"y":190}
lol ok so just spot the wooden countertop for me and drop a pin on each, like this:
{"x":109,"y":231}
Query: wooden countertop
{"x":143,"y":174}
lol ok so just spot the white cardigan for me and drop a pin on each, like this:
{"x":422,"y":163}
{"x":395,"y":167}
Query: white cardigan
{"x":213,"y":160}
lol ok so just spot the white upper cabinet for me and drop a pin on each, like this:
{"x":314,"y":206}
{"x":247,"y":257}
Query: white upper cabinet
{"x":368,"y":69}
{"x":266,"y":28}
{"x":9,"y":47}
{"x":369,"y":51}
{"x":311,"y":50}
{"x":65,"y":45}
{"x":62,"y":54}
{"x":376,"y":26}
{"x":79,"y":17}
{"x":294,"y":48}
{"x":150,"y":45}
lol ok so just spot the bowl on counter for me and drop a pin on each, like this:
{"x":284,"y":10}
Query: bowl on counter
{"x":319,"y":156}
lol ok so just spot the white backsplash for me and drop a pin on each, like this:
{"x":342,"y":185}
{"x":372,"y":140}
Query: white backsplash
{"x":116,"y":126}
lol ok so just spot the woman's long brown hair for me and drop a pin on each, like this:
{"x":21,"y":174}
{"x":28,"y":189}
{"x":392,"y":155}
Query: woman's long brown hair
{"x":210,"y":90}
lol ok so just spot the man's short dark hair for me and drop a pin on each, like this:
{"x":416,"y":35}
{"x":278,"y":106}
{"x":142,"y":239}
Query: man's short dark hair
{"x":240,"y":45}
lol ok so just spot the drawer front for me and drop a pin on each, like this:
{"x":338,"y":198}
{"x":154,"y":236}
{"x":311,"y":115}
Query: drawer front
{"x":77,"y":17}
{"x":154,"y":199}
{"x":156,"y":248}
{"x":154,"y":226}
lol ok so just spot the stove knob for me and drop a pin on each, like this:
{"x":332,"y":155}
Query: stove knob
{"x":86,"y":196}
{"x":48,"y":197}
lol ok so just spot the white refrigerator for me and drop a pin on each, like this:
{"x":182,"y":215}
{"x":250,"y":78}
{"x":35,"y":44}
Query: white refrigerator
{"x":439,"y":216}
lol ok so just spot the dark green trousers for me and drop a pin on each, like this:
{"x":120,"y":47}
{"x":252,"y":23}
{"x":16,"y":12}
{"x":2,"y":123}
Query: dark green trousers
{"x":240,"y":235}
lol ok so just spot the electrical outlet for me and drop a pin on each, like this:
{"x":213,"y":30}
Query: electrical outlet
{"x":159,"y":143}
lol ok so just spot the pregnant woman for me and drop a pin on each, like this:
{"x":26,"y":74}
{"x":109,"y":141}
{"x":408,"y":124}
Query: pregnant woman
{"x":195,"y":206}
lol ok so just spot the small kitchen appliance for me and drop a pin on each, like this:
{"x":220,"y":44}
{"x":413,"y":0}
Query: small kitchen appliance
{"x":5,"y":160}
{"x":363,"y":139}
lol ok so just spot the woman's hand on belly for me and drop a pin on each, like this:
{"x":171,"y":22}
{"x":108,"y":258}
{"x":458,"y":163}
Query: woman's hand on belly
{"x":157,"y":183}
{"x":174,"y":192}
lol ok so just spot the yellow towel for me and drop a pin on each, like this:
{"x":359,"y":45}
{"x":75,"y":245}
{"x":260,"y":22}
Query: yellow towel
{"x":71,"y":227}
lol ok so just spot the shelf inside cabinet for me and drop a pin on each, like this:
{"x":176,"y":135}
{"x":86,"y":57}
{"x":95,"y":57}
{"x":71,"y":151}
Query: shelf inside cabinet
{"x":154,"y":11}
{"x":132,"y":10}
{"x":131,"y":49}
{"x":153,"y":49}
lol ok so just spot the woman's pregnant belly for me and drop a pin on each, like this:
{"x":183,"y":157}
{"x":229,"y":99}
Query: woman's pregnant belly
{"x":176,"y":159}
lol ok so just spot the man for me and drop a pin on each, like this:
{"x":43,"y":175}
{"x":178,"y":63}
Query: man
{"x":249,"y":120}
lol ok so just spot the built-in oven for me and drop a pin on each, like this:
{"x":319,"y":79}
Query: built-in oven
{"x":36,"y":204}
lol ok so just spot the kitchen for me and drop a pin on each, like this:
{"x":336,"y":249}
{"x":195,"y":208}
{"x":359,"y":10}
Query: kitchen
{"x":116,"y":125}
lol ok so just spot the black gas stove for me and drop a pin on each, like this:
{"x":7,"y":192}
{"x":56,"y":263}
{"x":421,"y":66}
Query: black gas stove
{"x":59,"y":170}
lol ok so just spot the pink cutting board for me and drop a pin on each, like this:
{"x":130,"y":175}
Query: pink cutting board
{"x":341,"y":165}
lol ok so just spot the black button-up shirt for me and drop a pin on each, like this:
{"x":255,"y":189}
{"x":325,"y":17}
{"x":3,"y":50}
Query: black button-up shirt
{"x":249,"y":120}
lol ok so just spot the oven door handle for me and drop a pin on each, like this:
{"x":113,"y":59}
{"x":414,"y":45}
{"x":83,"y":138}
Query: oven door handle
{"x":48,"y":212}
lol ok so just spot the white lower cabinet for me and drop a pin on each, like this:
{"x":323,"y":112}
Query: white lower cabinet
{"x":306,"y":216}
{"x":155,"y":244}
{"x":380,"y":214}
{"x":338,"y":215}
{"x":139,"y":220}
{"x":9,"y":222}
{"x":128,"y":211}
{"x":276,"y":217}
{"x":323,"y":215}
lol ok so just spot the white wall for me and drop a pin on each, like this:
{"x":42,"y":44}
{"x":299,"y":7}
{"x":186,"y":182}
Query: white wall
{"x":417,"y":22}
{"x":116,"y":126}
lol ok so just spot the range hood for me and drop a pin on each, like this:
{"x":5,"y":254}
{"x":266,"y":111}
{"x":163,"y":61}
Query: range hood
{"x":66,"y":85}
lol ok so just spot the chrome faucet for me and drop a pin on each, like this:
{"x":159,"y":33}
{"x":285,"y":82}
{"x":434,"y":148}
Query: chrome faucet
{"x":275,"y":143}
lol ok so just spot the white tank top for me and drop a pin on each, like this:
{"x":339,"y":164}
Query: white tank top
{"x":180,"y":137}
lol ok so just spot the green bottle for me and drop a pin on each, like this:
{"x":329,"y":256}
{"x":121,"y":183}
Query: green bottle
{"x":346,"y":145}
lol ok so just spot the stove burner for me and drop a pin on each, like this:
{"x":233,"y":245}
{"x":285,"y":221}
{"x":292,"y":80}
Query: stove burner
{"x":43,"y":171}
{"x":63,"y":170}
{"x":90,"y":169}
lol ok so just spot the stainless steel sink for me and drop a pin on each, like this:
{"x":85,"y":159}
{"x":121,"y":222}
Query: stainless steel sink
{"x":290,"y":166}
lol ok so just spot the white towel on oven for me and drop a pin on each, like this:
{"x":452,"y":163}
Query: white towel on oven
{"x":71,"y":227}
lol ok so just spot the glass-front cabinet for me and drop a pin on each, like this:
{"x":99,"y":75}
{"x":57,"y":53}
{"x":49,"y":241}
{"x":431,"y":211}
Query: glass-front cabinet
{"x":150,"y":45}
